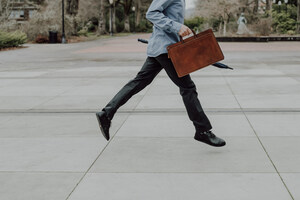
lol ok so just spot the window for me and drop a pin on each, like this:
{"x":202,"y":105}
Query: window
{"x":15,"y":14}
{"x":12,"y":15}
{"x":31,"y":13}
{"x":21,"y":13}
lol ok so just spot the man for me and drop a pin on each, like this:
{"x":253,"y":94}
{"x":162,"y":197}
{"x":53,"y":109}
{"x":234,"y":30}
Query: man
{"x":167,"y":17}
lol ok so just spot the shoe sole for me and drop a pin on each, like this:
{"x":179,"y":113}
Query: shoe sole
{"x":210,"y":143}
{"x":101,"y":128}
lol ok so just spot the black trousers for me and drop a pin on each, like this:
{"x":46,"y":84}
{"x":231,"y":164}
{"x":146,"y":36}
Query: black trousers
{"x":145,"y":76}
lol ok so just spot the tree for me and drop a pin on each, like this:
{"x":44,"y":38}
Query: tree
{"x":225,"y":8}
{"x":268,"y":5}
{"x":255,"y":8}
{"x":5,"y":9}
{"x":102,"y":18}
{"x":72,"y":11}
{"x":72,"y":7}
{"x":127,"y":8}
{"x":141,"y":9}
{"x":87,"y":11}
{"x":138,"y":7}
{"x":114,"y":25}
{"x":116,"y":3}
{"x":298,"y":16}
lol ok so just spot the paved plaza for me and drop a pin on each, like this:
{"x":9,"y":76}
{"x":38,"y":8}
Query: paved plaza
{"x":51,"y":147}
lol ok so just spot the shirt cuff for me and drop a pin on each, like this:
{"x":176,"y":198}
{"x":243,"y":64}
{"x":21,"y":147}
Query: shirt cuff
{"x":176,"y":27}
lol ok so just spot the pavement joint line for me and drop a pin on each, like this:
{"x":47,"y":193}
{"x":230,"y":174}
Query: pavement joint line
{"x":187,"y":137}
{"x":44,"y":172}
{"x":33,"y":111}
{"x":112,"y":138}
{"x":292,"y":76}
{"x":181,"y":172}
{"x":259,"y":140}
{"x":137,"y":136}
{"x":162,"y":172}
{"x":50,"y":99}
{"x":85,"y":173}
{"x":160,"y":76}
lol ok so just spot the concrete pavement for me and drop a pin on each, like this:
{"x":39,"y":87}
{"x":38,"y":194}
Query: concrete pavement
{"x":51,"y":147}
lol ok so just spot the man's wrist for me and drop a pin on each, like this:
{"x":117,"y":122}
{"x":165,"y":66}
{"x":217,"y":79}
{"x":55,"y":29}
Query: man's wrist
{"x":176,"y":27}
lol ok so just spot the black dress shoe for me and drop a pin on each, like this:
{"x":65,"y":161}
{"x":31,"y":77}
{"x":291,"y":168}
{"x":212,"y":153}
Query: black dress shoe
{"x":209,"y":138}
{"x":104,"y":124}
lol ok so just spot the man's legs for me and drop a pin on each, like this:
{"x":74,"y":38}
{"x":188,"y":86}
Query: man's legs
{"x":192,"y":104}
{"x":145,"y":76}
{"x":188,"y":93}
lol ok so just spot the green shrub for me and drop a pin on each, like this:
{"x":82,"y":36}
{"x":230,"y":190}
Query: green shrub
{"x":119,"y":19}
{"x":12,"y":39}
{"x":284,"y":18}
{"x":290,"y":32}
{"x":91,"y":27}
{"x":215,"y":23}
{"x":83,"y":32}
{"x":194,"y":23}
{"x":144,"y":26}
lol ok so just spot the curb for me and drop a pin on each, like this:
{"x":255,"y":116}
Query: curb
{"x":257,"y":39}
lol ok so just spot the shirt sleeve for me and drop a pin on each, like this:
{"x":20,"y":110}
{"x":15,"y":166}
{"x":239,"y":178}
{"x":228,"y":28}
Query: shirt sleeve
{"x":158,"y":18}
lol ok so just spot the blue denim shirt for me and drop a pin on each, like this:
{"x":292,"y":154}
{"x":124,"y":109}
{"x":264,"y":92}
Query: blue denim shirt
{"x":167,"y":17}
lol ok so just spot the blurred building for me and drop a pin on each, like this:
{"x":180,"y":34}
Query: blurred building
{"x":22,"y":10}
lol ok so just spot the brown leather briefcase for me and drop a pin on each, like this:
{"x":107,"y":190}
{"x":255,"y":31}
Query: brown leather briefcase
{"x":195,"y":52}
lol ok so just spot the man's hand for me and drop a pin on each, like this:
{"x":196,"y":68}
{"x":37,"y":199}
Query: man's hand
{"x":184,"y":31}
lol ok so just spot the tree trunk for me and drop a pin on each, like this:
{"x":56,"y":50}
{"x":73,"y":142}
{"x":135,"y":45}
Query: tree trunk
{"x":127,"y":7}
{"x":114,"y":19}
{"x":220,"y":28}
{"x":101,"y":26}
{"x":74,"y":25}
{"x":268,"y":5}
{"x":138,"y":12}
{"x":255,"y":9}
{"x":224,"y":28}
{"x":126,"y":23}
{"x":298,"y":16}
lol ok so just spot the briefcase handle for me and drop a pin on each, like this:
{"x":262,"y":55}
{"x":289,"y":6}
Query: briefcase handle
{"x":195,"y":35}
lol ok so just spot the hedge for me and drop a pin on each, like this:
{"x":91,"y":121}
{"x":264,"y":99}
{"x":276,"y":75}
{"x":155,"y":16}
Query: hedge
{"x":12,"y":39}
{"x":194,"y":23}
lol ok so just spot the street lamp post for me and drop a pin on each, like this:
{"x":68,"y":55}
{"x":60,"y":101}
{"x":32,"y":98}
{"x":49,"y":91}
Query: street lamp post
{"x":111,"y":2}
{"x":279,"y":4}
{"x":133,"y":9}
{"x":286,"y":4}
{"x":63,"y":37}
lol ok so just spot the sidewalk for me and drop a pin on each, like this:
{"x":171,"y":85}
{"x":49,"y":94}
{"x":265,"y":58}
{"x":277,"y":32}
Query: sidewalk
{"x":51,"y":147}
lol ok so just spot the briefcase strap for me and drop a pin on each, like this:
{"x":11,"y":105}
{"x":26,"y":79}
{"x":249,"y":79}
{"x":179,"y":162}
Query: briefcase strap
{"x":195,"y":35}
